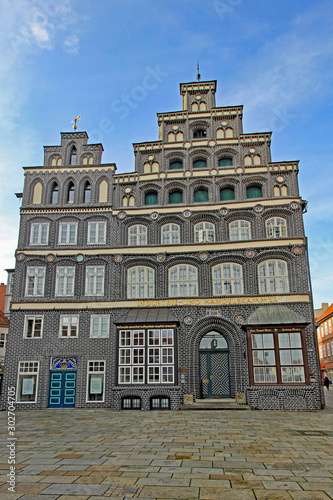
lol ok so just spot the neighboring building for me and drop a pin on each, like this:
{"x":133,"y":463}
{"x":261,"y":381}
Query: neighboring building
{"x":319,"y":312}
{"x":325,"y":342}
{"x":188,"y":277}
{"x":4,"y":324}
{"x":8,"y":294}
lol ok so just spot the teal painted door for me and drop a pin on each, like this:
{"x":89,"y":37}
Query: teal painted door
{"x":214,"y":374}
{"x":62,"y":389}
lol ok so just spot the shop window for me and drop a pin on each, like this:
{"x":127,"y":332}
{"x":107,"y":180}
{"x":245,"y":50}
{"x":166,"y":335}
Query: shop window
{"x":225,"y":162}
{"x":227,"y":194}
{"x":253,"y":192}
{"x":67,"y":233}
{"x":200,"y":195}
{"x":39,"y":234}
{"x":227,"y":279}
{"x":131,"y":403}
{"x":95,"y":280}
{"x":183,"y":281}
{"x":160,"y":403}
{"x":151,"y":198}
{"x":27,"y":382}
{"x":137,"y":235}
{"x":200,"y":164}
{"x":140,"y":282}
{"x":239,"y":230}
{"x":95,"y":381}
{"x":204,"y":232}
{"x":276,"y":227}
{"x":33,"y":327}
{"x":176,"y":196}
{"x":170,"y":234}
{"x":176,"y":165}
{"x":273,"y":277}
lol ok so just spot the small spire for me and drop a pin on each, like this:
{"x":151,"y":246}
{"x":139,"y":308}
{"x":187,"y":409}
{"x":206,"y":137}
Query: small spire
{"x":198,"y":74}
{"x":76,"y":119}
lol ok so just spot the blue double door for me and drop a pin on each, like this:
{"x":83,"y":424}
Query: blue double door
{"x":62,"y":388}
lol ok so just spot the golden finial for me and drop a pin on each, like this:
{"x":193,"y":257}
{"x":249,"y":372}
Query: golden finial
{"x":198,"y":74}
{"x":76,"y":119}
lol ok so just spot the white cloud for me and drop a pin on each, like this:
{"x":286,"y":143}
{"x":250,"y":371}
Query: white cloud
{"x":71,"y":44}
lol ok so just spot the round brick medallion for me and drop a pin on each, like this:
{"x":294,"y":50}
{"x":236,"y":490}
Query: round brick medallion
{"x":122,"y":215}
{"x":187,"y":213}
{"x":297,"y":250}
{"x":160,"y":257}
{"x":258,"y":209}
{"x":79,"y":257}
{"x":294,"y":205}
{"x":224,"y":211}
{"x":118,"y":258}
{"x":249,"y":254}
{"x":20,"y":256}
{"x":154,"y":215}
{"x":203,"y":256}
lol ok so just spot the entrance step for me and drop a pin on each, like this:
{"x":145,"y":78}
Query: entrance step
{"x":215,"y":404}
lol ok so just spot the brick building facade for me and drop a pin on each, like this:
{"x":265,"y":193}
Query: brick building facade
{"x":188,"y":276}
{"x":325,"y":342}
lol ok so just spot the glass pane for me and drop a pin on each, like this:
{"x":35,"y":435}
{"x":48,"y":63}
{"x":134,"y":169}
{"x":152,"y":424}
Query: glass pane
{"x":224,"y":162}
{"x":176,"y":197}
{"x":201,"y":195}
{"x":253,"y":192}
{"x":151,"y":199}
{"x":200,"y":164}
{"x":175,"y":165}
{"x":227,"y":194}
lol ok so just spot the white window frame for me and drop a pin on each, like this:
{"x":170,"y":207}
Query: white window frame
{"x":99,"y":319}
{"x":97,"y":368}
{"x":72,"y":320}
{"x":39,"y":233}
{"x":3,"y":339}
{"x":170,"y":234}
{"x":27,"y":370}
{"x":276,"y":227}
{"x":140,"y":282}
{"x":35,"y":281}
{"x":137,"y":235}
{"x":33,"y":318}
{"x":240,"y":230}
{"x":95,"y":277}
{"x":96,"y":232}
{"x":227,"y":279}
{"x":183,"y":281}
{"x":65,"y":281}
{"x":273,"y":276}
{"x":204,"y":232}
{"x":67,"y":233}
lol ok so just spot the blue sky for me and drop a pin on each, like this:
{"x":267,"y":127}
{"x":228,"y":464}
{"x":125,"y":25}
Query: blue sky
{"x":119,"y":63}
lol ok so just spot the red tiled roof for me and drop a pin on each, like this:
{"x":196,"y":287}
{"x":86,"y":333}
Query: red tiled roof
{"x":328,"y":311}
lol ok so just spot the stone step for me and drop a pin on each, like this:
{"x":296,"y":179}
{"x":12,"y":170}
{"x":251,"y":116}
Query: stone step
{"x":215,"y":404}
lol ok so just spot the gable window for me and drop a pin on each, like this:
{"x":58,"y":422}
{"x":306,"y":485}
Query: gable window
{"x":69,"y":325}
{"x":176,"y":165}
{"x":87,"y":192}
{"x":137,"y":235}
{"x":95,"y":280}
{"x":99,"y":325}
{"x":227,"y":193}
{"x":199,"y":133}
{"x":27,"y":382}
{"x":72,"y":160}
{"x":176,"y":196}
{"x":200,"y":164}
{"x":276,"y":227}
{"x":67,"y":233}
{"x":54,"y":194}
{"x":201,"y":195}
{"x":253,"y":192}
{"x":39,"y":234}
{"x":151,"y":198}
{"x":95,"y":381}
{"x":170,"y":234}
{"x":35,"y":281}
{"x":97,"y":233}
{"x":240,"y":230}
{"x":33,"y":327}
{"x":65,"y":281}
{"x":183,"y":281}
{"x":225,"y":162}
{"x":140,"y":282}
{"x":273,"y":277}
{"x":227,"y":279}
{"x":204,"y":232}
{"x":70,"y":193}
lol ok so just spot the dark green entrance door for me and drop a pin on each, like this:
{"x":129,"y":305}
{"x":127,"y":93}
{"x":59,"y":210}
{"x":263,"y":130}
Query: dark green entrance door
{"x":214,"y":374}
{"x":62,"y":388}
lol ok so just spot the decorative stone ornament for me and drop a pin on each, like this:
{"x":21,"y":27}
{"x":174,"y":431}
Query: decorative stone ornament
{"x":20,"y":256}
{"x":121,"y":215}
{"x":154,"y":215}
{"x":224,"y":211}
{"x":294,"y":205}
{"x":79,"y":257}
{"x":249,"y":254}
{"x":50,"y":257}
{"x":239,"y":319}
{"x":258,"y":209}
{"x":214,"y":312}
{"x":187,"y":213}
{"x":160,"y":257}
{"x":118,"y":258}
{"x":203,"y":256}
{"x":188,"y":320}
{"x":297,"y":250}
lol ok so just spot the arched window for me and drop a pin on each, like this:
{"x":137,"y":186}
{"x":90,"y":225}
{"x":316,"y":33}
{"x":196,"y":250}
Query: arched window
{"x":137,"y":235}
{"x":201,"y":194}
{"x":54,"y":194}
{"x":87,"y":192}
{"x":253,"y":192}
{"x":70,"y":193}
{"x":176,"y":196}
{"x":276,"y":227}
{"x":227,"y":193}
{"x":37,"y":193}
{"x":151,"y":198}
{"x":72,"y":159}
{"x":170,"y":234}
{"x":176,"y":165}
{"x":140,"y":282}
{"x":225,"y":162}
{"x":199,"y":133}
{"x":239,"y":230}
{"x":204,"y":232}
{"x":213,"y":340}
{"x":273,"y":277}
{"x":183,"y":281}
{"x":200,"y":164}
{"x":227,"y":279}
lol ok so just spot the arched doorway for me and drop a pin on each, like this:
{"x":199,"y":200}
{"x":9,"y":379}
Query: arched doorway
{"x":214,"y":366}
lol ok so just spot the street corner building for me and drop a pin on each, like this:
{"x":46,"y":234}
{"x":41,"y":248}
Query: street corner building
{"x":186,"y":279}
